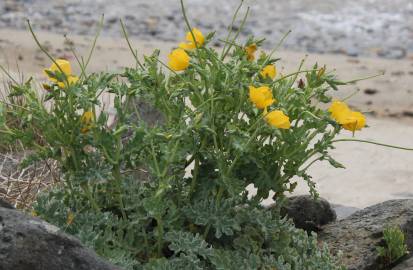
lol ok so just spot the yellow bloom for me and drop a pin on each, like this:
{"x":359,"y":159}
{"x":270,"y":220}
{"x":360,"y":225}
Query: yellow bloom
{"x":348,"y":119}
{"x":354,"y":121}
{"x":186,"y":46}
{"x":87,"y":121}
{"x":70,"y":218}
{"x":339,"y":110}
{"x":250,"y":50}
{"x":178,"y":60}
{"x":278,"y":119}
{"x":261,"y":96}
{"x":269,"y":71}
{"x":66,"y":68}
{"x":199,"y":38}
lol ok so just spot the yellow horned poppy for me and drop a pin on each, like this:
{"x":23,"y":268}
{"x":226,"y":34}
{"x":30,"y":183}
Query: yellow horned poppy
{"x":348,"y":119}
{"x":87,"y":121}
{"x":354,"y":121}
{"x":269,"y":71}
{"x":278,"y":119}
{"x":261,"y":96}
{"x":250,"y":50}
{"x":178,"y":60}
{"x":64,"y":67}
{"x":190,"y":44}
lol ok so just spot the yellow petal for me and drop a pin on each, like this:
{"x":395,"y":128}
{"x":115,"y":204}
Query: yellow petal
{"x":339,"y":110}
{"x":269,"y":71}
{"x":354,"y":121}
{"x":64,"y":65}
{"x":250,"y":50}
{"x":186,"y":46}
{"x":70,"y":218}
{"x":199,"y":37}
{"x":178,"y":60}
{"x":278,"y":119}
{"x":87,"y":118}
{"x":261,"y":97}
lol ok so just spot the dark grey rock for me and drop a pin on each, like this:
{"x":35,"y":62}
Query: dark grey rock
{"x":343,"y":211}
{"x":307,"y":213}
{"x":28,"y":243}
{"x":5,"y":204}
{"x":406,"y":265}
{"x":358,"y":236}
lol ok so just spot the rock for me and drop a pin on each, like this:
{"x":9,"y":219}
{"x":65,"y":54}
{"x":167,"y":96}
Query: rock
{"x":5,"y":204}
{"x":28,"y":243}
{"x":307,"y":213}
{"x":394,"y":52}
{"x":358,"y":235}
{"x":406,"y":265}
{"x":344,"y":211}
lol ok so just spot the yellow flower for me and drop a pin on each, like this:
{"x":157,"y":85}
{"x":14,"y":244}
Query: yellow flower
{"x":348,"y":119}
{"x":199,"y":38}
{"x":178,"y":60}
{"x":354,"y":121}
{"x":70,"y":218}
{"x":87,"y":121}
{"x":278,"y":119}
{"x":261,"y":96}
{"x":269,"y":71}
{"x":66,"y":68}
{"x":250,"y":50}
{"x":339,"y":110}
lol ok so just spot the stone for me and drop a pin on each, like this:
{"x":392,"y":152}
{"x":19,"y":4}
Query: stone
{"x":358,"y":236}
{"x":5,"y":204}
{"x":28,"y":243}
{"x":308,"y":213}
{"x":406,"y":265}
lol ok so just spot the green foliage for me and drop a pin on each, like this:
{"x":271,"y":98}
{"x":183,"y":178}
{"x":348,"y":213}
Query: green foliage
{"x":126,"y":190}
{"x":395,"y":246}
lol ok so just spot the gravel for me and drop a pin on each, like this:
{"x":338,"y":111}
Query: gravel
{"x":353,"y":27}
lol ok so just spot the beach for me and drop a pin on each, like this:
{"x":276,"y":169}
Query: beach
{"x":373,"y":173}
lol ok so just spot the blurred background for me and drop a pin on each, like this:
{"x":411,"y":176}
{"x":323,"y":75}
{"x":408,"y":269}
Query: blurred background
{"x":368,"y":27}
{"x":357,"y":38}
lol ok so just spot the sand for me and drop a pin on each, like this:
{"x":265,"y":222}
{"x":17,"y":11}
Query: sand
{"x":373,"y":174}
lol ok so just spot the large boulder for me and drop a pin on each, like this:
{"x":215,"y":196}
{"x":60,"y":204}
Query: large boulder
{"x":406,"y":265}
{"x":28,"y":243}
{"x":308,"y":213}
{"x":358,"y":236}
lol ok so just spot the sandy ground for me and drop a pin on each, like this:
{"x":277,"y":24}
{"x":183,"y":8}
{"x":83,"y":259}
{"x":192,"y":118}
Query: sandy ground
{"x":373,"y":173}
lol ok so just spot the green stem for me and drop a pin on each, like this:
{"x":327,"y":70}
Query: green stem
{"x":376,"y":143}
{"x":89,"y":195}
{"x":125,"y":33}
{"x":271,"y":53}
{"x":230,"y":28}
{"x":45,"y":51}
{"x":190,"y":30}
{"x":224,"y":54}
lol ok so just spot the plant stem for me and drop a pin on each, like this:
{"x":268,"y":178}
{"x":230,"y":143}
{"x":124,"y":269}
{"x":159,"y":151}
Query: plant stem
{"x":376,"y":143}
{"x":224,"y":53}
{"x":86,"y":189}
{"x":125,"y":33}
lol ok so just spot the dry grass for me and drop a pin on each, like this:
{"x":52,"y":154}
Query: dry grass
{"x":21,"y":186}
